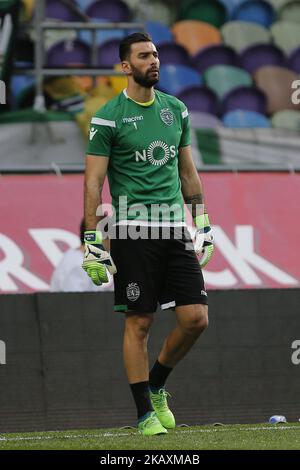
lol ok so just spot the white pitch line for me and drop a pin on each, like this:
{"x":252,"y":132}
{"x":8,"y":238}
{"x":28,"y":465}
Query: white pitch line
{"x":110,"y":434}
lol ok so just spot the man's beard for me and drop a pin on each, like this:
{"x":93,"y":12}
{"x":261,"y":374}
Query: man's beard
{"x":145,"y":80}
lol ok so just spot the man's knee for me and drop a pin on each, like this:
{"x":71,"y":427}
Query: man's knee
{"x":194,"y":318}
{"x":138,"y":325}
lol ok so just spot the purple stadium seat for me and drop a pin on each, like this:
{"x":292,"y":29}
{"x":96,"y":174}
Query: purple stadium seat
{"x":214,"y":55}
{"x":171,"y":53}
{"x":260,"y":55}
{"x":108,"y":54}
{"x":114,"y":10}
{"x":55,"y":9}
{"x":200,"y":98}
{"x":245,"y":98}
{"x":201,"y":120}
{"x":294,"y":60}
{"x":69,"y":53}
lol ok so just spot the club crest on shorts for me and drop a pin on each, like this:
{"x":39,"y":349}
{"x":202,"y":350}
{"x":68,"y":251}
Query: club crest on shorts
{"x":167,"y":116}
{"x":133,"y":291}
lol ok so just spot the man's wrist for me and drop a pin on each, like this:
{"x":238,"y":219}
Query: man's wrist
{"x":201,"y":220}
{"x":93,"y":237}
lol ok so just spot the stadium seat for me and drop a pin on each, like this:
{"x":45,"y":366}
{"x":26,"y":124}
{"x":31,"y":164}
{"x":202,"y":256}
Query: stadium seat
{"x":245,"y":119}
{"x":294,"y":60}
{"x":53,"y":36}
{"x":27,"y":10}
{"x":101,"y":35}
{"x":215,"y":55}
{"x":242,"y":34}
{"x":69,"y":53}
{"x":261,"y":54}
{"x":277,"y":4}
{"x":108,"y":54}
{"x":255,"y":11}
{"x":200,"y":98}
{"x":286,"y":35}
{"x":20,"y":86}
{"x":224,"y":78}
{"x":199,"y":120}
{"x":55,"y":9}
{"x":245,"y":98}
{"x":174,"y":78}
{"x":158,"y":11}
{"x":194,"y":35}
{"x":231,"y":5}
{"x":171,"y":53}
{"x":84,"y":4}
{"x":118,"y":83}
{"x":158,"y":32}
{"x":276,"y":83}
{"x":208,"y":11}
{"x":114,"y":10}
{"x":290,"y":11}
{"x":287,"y":119}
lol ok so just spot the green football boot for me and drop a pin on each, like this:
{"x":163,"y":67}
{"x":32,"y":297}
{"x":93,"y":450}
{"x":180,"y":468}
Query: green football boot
{"x":151,"y":426}
{"x":160,"y":406}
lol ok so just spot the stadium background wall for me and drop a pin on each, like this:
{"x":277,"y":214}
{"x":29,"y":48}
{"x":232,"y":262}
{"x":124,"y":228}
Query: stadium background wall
{"x":64,"y":366}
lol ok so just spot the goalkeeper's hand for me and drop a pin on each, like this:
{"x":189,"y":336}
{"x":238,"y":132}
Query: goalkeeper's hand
{"x":97,"y":261}
{"x":203,"y":242}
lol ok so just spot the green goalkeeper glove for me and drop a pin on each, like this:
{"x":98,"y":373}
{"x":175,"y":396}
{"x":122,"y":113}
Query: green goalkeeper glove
{"x":203,"y":242}
{"x":97,"y":261}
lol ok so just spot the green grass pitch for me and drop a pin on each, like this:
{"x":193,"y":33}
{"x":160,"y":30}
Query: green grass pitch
{"x":260,"y":436}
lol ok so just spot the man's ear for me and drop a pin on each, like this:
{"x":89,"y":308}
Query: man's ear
{"x":126,"y":68}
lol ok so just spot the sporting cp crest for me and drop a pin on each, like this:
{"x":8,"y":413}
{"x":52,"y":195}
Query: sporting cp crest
{"x":167,"y":116}
{"x":133,"y":291}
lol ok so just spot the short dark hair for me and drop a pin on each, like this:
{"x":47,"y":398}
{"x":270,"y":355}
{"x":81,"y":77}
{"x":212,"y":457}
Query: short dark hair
{"x":125,"y":44}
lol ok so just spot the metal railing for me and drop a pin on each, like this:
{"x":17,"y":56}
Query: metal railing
{"x":40,"y":71}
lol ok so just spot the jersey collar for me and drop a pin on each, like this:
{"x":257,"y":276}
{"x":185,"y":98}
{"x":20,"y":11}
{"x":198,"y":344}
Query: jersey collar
{"x":148,"y":103}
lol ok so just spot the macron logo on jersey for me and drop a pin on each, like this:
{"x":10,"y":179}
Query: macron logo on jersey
{"x":93,"y":131}
{"x":132,"y":119}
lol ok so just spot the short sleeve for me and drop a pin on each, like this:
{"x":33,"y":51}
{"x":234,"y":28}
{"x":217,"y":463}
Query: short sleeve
{"x":101,"y":134}
{"x":185,"y":137}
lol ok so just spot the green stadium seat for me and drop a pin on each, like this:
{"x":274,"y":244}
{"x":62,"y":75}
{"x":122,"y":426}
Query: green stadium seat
{"x":276,"y":83}
{"x":208,"y":11}
{"x":165,"y":13}
{"x":277,"y":4}
{"x":286,"y":34}
{"x":224,"y":78}
{"x":290,"y":11}
{"x":242,"y":34}
{"x":286,"y":119}
{"x":195,"y":35}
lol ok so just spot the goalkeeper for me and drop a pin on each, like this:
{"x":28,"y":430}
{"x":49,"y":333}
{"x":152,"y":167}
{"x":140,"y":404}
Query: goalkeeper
{"x":141,"y":140}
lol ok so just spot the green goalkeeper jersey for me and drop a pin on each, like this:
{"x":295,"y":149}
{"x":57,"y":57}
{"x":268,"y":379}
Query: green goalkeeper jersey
{"x":142,"y":144}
